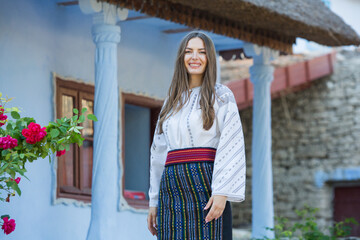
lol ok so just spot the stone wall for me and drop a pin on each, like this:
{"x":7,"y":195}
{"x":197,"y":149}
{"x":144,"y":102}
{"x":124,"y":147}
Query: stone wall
{"x":316,"y":129}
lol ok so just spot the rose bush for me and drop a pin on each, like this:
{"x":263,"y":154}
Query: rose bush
{"x":23,"y":140}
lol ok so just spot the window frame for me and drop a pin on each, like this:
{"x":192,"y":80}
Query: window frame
{"x":155,"y":106}
{"x":79,"y":91}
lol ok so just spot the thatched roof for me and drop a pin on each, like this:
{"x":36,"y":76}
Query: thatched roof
{"x":272,"y":23}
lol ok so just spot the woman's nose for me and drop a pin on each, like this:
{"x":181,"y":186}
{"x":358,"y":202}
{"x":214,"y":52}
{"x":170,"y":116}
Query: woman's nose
{"x":195,"y":55}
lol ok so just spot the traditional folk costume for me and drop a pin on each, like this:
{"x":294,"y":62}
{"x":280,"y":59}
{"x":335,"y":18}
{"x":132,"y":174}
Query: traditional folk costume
{"x":190,"y":164}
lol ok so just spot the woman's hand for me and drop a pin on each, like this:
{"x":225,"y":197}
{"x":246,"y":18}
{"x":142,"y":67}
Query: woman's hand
{"x":151,"y":220}
{"x":217,"y":204}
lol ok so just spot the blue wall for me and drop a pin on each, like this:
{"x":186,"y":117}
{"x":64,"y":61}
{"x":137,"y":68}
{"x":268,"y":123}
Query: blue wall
{"x":37,"y":37}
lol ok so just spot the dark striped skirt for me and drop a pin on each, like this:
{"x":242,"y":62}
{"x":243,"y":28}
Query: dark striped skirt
{"x":185,"y":189}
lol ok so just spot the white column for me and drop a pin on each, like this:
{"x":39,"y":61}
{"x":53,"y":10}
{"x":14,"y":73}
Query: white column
{"x":261,"y":75}
{"x":105,"y":190}
{"x":218,"y":67}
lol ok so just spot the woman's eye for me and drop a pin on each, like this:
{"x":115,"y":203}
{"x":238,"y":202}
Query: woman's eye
{"x":203,"y":52}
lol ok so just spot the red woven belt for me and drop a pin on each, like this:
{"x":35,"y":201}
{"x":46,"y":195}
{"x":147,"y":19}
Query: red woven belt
{"x":188,"y":155}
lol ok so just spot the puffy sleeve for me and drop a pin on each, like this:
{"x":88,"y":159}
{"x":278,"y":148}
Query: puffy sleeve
{"x":158,"y":153}
{"x":229,"y":172}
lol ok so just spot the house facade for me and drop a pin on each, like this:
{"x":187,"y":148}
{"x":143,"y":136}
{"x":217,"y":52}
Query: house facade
{"x":56,"y":56}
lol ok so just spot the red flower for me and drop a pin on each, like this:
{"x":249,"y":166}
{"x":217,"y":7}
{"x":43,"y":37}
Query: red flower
{"x":8,"y":225}
{"x":17,"y":180}
{"x":34,"y":133}
{"x":61,"y":152}
{"x":34,"y":128}
{"x":2,"y":116}
{"x":8,"y":142}
{"x":26,"y":132}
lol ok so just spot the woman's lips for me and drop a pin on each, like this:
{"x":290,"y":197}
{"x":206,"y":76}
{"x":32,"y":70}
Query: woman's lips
{"x":194,"y":65}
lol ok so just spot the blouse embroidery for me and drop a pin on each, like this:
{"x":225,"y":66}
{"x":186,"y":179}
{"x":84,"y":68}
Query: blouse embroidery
{"x":226,"y":135}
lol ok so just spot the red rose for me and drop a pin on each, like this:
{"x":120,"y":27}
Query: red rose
{"x":61,"y":152}
{"x":17,"y":180}
{"x":2,"y":118}
{"x":31,"y":139}
{"x":8,"y":142}
{"x":26,"y":132}
{"x":34,"y":128}
{"x":8,"y":225}
{"x":34,"y":133}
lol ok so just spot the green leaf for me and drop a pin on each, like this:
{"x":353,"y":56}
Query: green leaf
{"x":4,"y":166}
{"x":21,"y":171}
{"x":81,"y":118}
{"x":15,"y":115}
{"x":74,"y":118}
{"x":83,"y":110}
{"x":67,"y":147}
{"x":15,"y":109}
{"x":44,"y":155}
{"x":19,"y":123}
{"x":11,"y":172}
{"x":16,"y":188}
{"x":22,"y":155}
{"x":63,"y":129}
{"x":4,"y":152}
{"x":9,"y":127}
{"x":92,"y":117}
{"x":4,"y":216}
{"x":61,"y":147}
{"x":54,"y":133}
{"x":75,"y":111}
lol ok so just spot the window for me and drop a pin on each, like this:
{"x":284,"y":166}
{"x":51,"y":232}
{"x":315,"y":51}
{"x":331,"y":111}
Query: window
{"x":347,"y":204}
{"x":74,"y":171}
{"x":139,"y":116}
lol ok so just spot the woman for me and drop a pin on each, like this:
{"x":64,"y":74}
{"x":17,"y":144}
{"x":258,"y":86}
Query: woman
{"x":197,"y":155}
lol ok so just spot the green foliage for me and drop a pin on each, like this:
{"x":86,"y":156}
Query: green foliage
{"x":60,"y":135}
{"x":307,"y":228}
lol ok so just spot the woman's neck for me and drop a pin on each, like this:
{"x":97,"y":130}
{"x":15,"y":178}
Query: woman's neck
{"x":195,"y":81}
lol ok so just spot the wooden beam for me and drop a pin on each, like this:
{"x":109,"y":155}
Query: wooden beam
{"x":68,"y":3}
{"x":178,"y":30}
{"x":137,"y":18}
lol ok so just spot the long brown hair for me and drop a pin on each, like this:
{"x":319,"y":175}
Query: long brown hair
{"x":181,"y":82}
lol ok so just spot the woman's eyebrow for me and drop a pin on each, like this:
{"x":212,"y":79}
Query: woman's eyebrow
{"x":192,"y":49}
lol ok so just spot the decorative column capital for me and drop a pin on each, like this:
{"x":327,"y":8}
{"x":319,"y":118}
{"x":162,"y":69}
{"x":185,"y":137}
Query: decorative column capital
{"x":106,"y":33}
{"x":104,"y":13}
{"x":261,"y":55}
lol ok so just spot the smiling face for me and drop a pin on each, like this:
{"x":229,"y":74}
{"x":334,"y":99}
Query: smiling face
{"x":195,"y":57}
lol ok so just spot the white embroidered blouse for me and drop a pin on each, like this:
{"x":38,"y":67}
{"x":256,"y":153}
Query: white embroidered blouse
{"x":184,"y":130}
